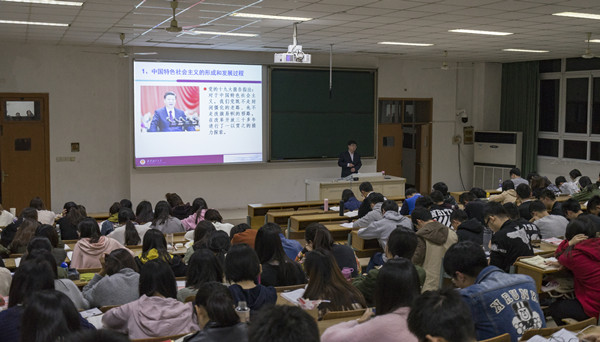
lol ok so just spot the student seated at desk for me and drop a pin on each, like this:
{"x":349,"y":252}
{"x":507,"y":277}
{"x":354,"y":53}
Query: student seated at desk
{"x":277,"y":268}
{"x":580,"y":254}
{"x":42,"y":242}
{"x":397,"y":287}
{"x":163,"y":221}
{"x":44,"y":216}
{"x":91,"y":245}
{"x":66,"y":286}
{"x":144,"y":214}
{"x":154,"y":247}
{"x":350,"y":201}
{"x":8,"y":233}
{"x":508,"y":194}
{"x":326,"y":282}
{"x":465,"y":228}
{"x":549,"y":225}
{"x":127,"y":232}
{"x":200,"y":235}
{"x":382,"y":229}
{"x":203,"y":267}
{"x":485,"y":287}
{"x":317,"y":236}
{"x":58,"y":251}
{"x":117,"y":282}
{"x":198,"y":210}
{"x":410,"y":197}
{"x":375,"y":201}
{"x":72,"y":216}
{"x":212,"y":215}
{"x":217,"y":317}
{"x":108,"y":225}
{"x":24,"y":234}
{"x":179,"y":209}
{"x":242,"y":269}
{"x":243,"y":233}
{"x":290,"y":247}
{"x":283,"y":323}
{"x":401,"y":244}
{"x":156,"y":313}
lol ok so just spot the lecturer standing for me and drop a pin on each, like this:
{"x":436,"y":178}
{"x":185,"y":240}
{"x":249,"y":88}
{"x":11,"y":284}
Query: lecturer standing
{"x":350,"y":160}
{"x":165,"y":118}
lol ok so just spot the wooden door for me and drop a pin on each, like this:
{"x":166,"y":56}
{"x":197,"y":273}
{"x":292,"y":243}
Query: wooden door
{"x":389,"y":149}
{"x":423,"y":171}
{"x":24,"y":149}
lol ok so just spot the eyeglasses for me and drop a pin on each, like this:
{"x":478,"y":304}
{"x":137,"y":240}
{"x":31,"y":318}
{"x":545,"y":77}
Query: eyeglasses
{"x":487,"y":222}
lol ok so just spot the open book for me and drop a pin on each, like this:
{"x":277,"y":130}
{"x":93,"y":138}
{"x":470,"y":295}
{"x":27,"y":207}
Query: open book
{"x":540,"y":262}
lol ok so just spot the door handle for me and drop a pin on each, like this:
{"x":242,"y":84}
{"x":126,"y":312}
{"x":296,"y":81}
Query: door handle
{"x":4,"y":174}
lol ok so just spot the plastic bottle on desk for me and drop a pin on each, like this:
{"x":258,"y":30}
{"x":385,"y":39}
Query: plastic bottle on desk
{"x":326,"y":204}
{"x":500,"y":183}
{"x":341,"y":208}
{"x":243,"y":312}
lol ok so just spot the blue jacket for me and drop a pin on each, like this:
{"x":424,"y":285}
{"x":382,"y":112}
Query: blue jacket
{"x":352,"y":204}
{"x":409,"y":204}
{"x":290,"y":247}
{"x":503,"y":303}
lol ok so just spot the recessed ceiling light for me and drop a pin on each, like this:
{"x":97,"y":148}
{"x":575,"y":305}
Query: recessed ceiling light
{"x":593,"y":41}
{"x":490,"y":33}
{"x":32,"y":23}
{"x":578,"y":15}
{"x":266,"y":16}
{"x":525,"y":50}
{"x":404,"y":44}
{"x":224,"y":33}
{"x":49,"y":2}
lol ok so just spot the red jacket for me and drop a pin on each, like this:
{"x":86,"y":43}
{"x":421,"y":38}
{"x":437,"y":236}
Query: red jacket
{"x":584,"y":261}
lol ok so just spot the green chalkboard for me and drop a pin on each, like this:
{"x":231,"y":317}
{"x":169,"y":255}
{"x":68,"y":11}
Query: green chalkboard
{"x":308,"y":122}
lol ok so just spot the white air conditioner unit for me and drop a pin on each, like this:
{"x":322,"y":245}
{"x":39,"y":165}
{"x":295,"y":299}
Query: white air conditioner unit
{"x":495,"y":153}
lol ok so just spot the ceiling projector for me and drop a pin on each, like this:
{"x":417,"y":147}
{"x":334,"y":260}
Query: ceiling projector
{"x":294,"y":53}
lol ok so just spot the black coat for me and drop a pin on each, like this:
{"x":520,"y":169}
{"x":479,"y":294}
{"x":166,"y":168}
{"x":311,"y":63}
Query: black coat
{"x":470,"y":230}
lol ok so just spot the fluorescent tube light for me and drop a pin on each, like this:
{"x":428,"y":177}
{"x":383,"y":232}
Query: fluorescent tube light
{"x":266,"y":16}
{"x":489,"y":33}
{"x":404,"y":44}
{"x":578,"y":15}
{"x":32,"y":23}
{"x":224,"y":33}
{"x":525,"y":50}
{"x":49,"y":2}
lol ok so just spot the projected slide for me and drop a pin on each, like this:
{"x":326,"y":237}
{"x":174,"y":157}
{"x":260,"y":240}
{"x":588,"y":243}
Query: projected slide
{"x":192,"y":113}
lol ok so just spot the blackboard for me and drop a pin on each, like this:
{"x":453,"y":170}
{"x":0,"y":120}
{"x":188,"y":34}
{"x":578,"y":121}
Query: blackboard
{"x":307,"y":123}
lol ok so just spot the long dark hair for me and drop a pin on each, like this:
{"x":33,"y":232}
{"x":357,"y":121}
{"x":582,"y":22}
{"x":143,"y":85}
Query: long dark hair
{"x":157,"y":277}
{"x":55,"y":310}
{"x":162,"y":212}
{"x":24,"y":234}
{"x":119,"y":259}
{"x":219,"y":243}
{"x":216,"y":299}
{"x":397,"y":286}
{"x":327,"y":282}
{"x":143,"y":212}
{"x":269,"y":249}
{"x":323,"y":239}
{"x":202,"y":268}
{"x":213,"y":215}
{"x":347,"y":194}
{"x":31,"y":276}
{"x":43,"y":255}
{"x":204,"y":229}
{"x":154,"y":238}
{"x":173,"y":199}
{"x":47,"y":231}
{"x":126,"y":216}
{"x":198,"y":205}
{"x":74,"y":215}
{"x":88,"y":228}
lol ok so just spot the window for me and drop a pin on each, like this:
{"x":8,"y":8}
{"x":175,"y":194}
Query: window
{"x":569,"y":109}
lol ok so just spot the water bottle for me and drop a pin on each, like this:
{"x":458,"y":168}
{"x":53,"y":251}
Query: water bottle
{"x":326,"y":204}
{"x":243,"y":312}
{"x":500,"y":183}
{"x":341,"y":208}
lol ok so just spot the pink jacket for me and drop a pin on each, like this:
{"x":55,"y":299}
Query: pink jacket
{"x":87,"y":254}
{"x":152,"y":317}
{"x":389,"y":327}
{"x":189,"y":223}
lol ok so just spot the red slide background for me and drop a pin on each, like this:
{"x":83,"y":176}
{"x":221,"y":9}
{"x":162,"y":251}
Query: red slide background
{"x":188,"y":98}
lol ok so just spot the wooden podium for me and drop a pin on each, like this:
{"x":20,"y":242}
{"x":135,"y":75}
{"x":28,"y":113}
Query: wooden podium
{"x":319,"y":189}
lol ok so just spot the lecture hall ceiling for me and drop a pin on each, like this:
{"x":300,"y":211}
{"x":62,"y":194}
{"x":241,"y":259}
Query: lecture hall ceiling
{"x":352,"y":26}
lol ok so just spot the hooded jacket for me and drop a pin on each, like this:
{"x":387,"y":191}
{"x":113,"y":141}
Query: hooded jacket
{"x":152,"y":317}
{"x":255,"y":297}
{"x":382,"y":229}
{"x":87,"y":254}
{"x":470,"y":230}
{"x":584,"y":261}
{"x":370,"y":217}
{"x":508,"y":196}
{"x":434,"y":239}
{"x":117,"y":289}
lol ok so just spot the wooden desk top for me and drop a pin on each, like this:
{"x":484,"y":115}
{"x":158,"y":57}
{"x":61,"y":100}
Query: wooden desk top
{"x":281,"y":217}
{"x":299,"y":222}
{"x":258,"y":209}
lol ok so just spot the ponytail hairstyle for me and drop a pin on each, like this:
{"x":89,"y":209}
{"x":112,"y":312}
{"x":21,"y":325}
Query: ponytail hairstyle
{"x":126,"y":216}
{"x":219,"y":243}
{"x":216,"y":299}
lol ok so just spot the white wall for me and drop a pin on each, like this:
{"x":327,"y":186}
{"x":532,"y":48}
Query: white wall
{"x":90,"y":102}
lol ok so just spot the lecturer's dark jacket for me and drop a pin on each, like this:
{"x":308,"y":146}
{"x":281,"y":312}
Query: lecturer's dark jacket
{"x":345,"y":159}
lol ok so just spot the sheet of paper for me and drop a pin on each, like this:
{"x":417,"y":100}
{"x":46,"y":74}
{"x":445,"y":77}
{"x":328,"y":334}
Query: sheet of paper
{"x":17,"y":262}
{"x":180,"y":284}
{"x":334,"y":208}
{"x":70,"y":255}
{"x":67,"y":248}
{"x":292,"y":296}
{"x":90,"y":313}
{"x":346,"y":225}
{"x":351,"y":213}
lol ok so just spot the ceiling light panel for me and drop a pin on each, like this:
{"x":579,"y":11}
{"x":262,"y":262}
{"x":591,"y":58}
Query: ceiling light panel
{"x":48,"y":2}
{"x":578,"y":15}
{"x":267,"y":16}
{"x":405,"y":44}
{"x":525,"y":50}
{"x":234,"y":34}
{"x":489,"y":33}
{"x":16,"y":22}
